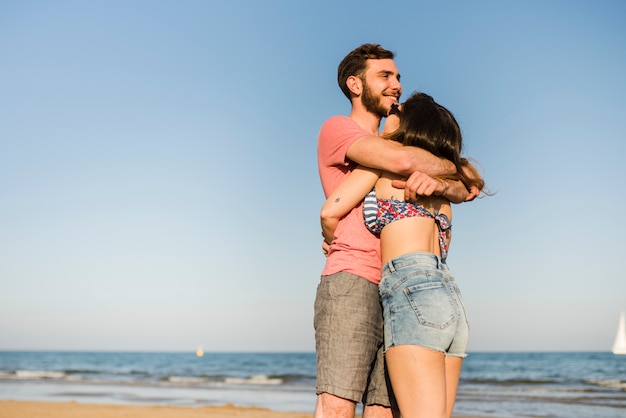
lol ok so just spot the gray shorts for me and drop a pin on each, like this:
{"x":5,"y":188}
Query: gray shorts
{"x":349,"y":340}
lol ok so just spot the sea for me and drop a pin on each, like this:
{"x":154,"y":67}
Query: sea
{"x":498,"y":385}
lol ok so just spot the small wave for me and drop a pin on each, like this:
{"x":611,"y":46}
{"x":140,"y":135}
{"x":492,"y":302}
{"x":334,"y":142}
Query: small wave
{"x":613,"y":384}
{"x":511,"y":382}
{"x":291,"y":378}
{"x":259,"y":379}
{"x":38,"y":374}
{"x":186,"y":379}
{"x":81,"y":371}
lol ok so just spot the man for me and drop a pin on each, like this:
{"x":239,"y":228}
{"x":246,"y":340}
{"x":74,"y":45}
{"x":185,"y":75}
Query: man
{"x":348,"y":317}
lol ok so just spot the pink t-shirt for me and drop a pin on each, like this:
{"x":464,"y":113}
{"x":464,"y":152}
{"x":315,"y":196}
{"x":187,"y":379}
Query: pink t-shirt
{"x":354,"y":249}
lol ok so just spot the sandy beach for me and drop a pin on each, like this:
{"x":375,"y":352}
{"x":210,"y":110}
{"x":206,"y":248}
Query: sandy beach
{"x":31,"y":409}
{"x":21,"y":409}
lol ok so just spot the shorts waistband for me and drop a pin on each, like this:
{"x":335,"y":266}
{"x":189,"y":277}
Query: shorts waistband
{"x":412,"y":259}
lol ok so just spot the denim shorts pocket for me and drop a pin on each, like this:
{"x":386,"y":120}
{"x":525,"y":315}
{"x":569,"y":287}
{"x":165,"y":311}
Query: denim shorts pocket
{"x":432,"y":304}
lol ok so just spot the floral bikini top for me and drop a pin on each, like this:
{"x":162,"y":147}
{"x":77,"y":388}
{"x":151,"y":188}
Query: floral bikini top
{"x":380,"y":212}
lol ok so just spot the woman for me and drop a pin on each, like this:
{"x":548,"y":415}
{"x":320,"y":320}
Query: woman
{"x":426,"y":329}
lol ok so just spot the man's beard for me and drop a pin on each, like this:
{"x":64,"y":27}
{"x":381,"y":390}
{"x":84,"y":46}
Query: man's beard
{"x":372,"y":103}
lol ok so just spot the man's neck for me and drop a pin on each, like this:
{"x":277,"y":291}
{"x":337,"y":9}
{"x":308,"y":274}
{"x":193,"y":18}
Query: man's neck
{"x":366,"y":120}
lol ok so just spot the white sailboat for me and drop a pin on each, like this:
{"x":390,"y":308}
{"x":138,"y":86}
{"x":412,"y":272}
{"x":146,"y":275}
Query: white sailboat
{"x":619,"y":346}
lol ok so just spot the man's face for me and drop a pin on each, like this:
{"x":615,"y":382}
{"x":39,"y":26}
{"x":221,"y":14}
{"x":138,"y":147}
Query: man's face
{"x":381,"y":86}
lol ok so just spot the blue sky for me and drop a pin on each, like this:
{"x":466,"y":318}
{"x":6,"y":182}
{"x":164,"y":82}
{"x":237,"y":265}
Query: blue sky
{"x":158,"y":178}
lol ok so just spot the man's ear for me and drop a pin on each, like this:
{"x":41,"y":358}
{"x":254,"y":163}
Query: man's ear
{"x":355,"y":84}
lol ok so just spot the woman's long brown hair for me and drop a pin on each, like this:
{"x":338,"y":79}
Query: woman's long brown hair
{"x":426,"y":124}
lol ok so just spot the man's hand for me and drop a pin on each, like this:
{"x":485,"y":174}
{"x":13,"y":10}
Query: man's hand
{"x":473,"y":190}
{"x":325,"y":248}
{"x":420,"y":184}
{"x":473,"y":193}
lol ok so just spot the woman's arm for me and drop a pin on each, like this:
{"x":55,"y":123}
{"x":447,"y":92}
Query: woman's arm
{"x":345,"y":197}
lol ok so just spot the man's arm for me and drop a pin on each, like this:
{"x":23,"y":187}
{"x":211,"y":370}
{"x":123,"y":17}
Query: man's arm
{"x":420,"y":184}
{"x":456,"y":191}
{"x":453,"y":190}
{"x":374,"y":152}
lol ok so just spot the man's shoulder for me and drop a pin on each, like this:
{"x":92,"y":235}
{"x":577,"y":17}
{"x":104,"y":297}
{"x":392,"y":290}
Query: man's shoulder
{"x":340,"y":125}
{"x":338,"y":120}
{"x":338,"y":117}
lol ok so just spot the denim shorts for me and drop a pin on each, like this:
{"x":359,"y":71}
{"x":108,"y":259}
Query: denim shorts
{"x":422,"y":305}
{"x":349,"y":340}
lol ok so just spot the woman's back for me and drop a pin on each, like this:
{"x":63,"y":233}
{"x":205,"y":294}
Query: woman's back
{"x":413,"y":233}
